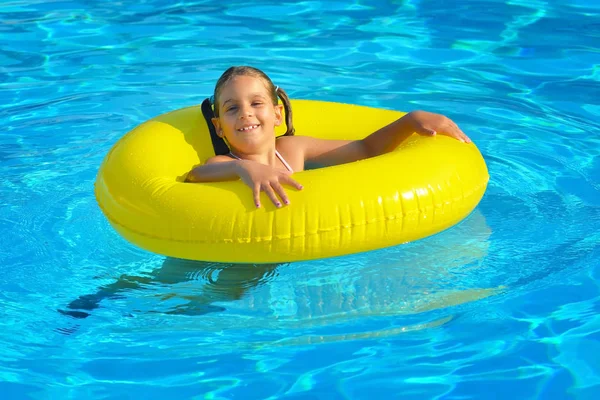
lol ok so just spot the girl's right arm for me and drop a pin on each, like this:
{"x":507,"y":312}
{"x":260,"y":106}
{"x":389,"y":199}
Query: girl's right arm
{"x":215,"y":169}
{"x":259,"y":177}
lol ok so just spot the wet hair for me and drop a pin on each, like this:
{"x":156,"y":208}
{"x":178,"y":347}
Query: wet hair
{"x":275,"y":92}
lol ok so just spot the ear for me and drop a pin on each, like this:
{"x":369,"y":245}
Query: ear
{"x":278,"y":114}
{"x":217,"y":125}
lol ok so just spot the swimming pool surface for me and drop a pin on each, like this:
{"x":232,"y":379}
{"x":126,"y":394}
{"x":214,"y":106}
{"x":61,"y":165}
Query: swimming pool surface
{"x":504,"y":305}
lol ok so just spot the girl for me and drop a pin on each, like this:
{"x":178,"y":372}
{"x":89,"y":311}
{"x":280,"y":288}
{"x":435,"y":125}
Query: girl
{"x":246,"y":113}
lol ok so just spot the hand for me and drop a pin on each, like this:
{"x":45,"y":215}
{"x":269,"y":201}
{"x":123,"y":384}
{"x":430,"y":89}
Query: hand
{"x":264,"y":178}
{"x":426,"y":123}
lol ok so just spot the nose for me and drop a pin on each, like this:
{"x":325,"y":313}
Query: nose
{"x":245,"y":111}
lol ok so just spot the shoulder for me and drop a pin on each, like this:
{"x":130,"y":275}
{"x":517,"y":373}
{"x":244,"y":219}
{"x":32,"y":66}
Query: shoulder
{"x":296,"y":144}
{"x":324,"y":152}
{"x":293,"y":142}
{"x":308,"y":146}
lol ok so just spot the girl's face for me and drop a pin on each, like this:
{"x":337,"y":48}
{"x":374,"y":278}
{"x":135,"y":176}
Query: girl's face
{"x":247,"y":115}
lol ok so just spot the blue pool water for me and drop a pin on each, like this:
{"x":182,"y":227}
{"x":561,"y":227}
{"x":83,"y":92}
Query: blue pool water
{"x":505,"y":304}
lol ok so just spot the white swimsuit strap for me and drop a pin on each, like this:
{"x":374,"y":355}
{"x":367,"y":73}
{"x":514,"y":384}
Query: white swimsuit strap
{"x":278,"y":156}
{"x":283,"y":161}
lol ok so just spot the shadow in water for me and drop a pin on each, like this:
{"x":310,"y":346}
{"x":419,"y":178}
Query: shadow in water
{"x":445,"y":271}
{"x":225,"y":282}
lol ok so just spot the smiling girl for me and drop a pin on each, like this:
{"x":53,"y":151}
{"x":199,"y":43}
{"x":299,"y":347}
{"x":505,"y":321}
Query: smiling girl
{"x":246,"y":113}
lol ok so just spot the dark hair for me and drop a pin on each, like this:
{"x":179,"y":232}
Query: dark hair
{"x":274,"y":91}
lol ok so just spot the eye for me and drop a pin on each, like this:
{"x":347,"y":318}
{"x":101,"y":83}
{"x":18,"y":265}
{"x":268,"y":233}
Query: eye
{"x":231,"y":108}
{"x":257,"y":103}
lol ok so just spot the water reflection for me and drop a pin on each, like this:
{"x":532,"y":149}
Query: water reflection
{"x":446,"y":270}
{"x":222,"y":282}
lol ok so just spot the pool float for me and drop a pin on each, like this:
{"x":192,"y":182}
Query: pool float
{"x":423,"y":187}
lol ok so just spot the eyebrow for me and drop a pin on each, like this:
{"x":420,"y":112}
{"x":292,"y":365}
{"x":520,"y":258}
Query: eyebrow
{"x":251,"y":95}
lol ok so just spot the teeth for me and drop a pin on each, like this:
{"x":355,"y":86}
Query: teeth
{"x":247,"y":128}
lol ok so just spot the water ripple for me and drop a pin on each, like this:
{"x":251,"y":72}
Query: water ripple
{"x":507,"y":295}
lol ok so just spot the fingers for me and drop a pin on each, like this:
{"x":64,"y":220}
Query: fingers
{"x":460,"y":135}
{"x":466,"y":139}
{"x":268,"y":189}
{"x":430,"y":124}
{"x":275,"y":191}
{"x":452,"y":130}
{"x":256,"y":195}
{"x":287,"y":179}
{"x":277,"y":188}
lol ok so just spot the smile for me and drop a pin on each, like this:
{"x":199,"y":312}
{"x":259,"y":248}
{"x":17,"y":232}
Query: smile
{"x":248,"y":128}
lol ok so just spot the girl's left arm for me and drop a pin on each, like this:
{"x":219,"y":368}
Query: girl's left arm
{"x":425,"y":123}
{"x":332,"y":152}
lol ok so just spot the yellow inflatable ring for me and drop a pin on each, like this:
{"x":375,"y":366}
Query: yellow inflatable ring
{"x":425,"y":186}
